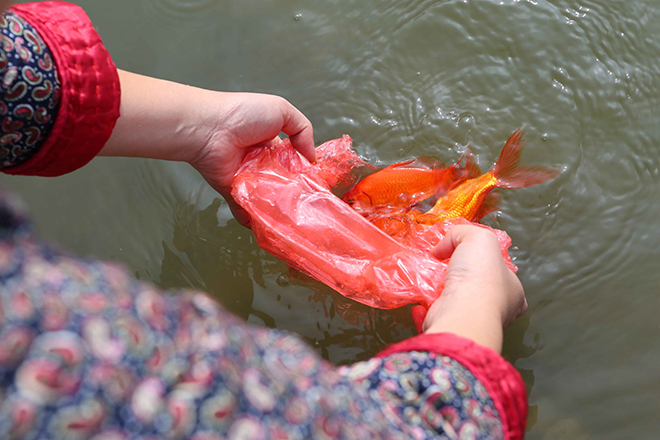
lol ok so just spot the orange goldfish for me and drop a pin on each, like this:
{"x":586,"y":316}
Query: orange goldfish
{"x":470,"y":199}
{"x":403,"y":185}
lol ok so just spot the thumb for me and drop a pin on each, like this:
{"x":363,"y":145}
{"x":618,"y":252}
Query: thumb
{"x":446,"y":247}
{"x":300,"y":131}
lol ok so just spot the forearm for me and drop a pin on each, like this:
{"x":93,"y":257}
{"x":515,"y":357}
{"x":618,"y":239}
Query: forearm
{"x":477,"y":321}
{"x":162,"y":119}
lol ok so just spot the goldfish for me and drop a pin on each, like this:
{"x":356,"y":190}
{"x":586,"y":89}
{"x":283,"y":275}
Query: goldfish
{"x":404,"y":184}
{"x":471,"y":199}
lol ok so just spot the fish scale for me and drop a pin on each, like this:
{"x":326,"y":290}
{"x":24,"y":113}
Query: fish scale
{"x":464,"y":201}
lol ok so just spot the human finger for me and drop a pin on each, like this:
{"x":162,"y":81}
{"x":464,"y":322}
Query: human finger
{"x":240,"y":214}
{"x":299,"y":130}
{"x":458,"y":235}
{"x":523,"y":309}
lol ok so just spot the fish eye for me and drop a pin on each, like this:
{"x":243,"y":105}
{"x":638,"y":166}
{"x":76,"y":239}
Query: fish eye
{"x":355,"y":204}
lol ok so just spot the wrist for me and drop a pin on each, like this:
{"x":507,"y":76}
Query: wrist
{"x":486,"y":332}
{"x":474,"y":318}
{"x":208,"y":119}
{"x":162,"y":120}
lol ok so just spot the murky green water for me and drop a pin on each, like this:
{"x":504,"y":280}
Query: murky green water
{"x":406,"y":78}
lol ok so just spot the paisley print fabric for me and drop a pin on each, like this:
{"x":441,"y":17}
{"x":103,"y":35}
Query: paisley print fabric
{"x":29,"y":90}
{"x":86,"y":352}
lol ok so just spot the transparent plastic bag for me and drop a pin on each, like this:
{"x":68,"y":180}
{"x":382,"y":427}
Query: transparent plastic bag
{"x":296,"y":217}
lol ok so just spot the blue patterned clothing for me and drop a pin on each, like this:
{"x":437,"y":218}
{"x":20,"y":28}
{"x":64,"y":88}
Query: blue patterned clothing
{"x":30,"y":90}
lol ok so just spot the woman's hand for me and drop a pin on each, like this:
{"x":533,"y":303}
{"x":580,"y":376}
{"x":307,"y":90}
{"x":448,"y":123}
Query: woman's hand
{"x":213,"y":131}
{"x":481,"y":295}
{"x":249,"y":120}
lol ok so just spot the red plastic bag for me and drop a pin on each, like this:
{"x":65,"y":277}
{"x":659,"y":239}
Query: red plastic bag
{"x":296,"y":217}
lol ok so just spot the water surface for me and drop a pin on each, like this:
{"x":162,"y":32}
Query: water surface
{"x":406,"y":78}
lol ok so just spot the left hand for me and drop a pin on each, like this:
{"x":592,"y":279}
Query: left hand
{"x":213,"y":131}
{"x":249,"y":120}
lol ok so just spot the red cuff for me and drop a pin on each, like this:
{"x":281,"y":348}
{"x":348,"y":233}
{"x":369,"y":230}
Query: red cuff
{"x":501,"y":379}
{"x":89,"y":106}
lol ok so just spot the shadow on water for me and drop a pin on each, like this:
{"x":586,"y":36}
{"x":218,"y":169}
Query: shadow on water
{"x":365,"y":331}
{"x":226,"y":262}
{"x":516,"y":349}
{"x":216,"y":260}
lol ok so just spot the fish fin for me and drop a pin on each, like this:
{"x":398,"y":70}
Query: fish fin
{"x":453,"y":175}
{"x":509,"y":158}
{"x":427,"y":162}
{"x":471,"y":164}
{"x":490,"y":204}
{"x":405,"y":163}
{"x":430,"y":162}
{"x":508,"y":172}
{"x":461,"y":174}
{"x":528,"y":176}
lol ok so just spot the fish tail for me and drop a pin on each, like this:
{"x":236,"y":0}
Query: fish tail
{"x":508,"y":172}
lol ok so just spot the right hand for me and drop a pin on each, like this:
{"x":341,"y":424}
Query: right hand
{"x":482,"y":296}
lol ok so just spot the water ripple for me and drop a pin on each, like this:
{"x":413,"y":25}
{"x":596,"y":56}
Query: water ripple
{"x":174,"y":13}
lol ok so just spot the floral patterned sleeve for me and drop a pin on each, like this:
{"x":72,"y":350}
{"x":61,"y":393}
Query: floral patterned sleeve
{"x":29,"y":90}
{"x":430,"y":395}
{"x":88,"y":352}
{"x":59,"y":89}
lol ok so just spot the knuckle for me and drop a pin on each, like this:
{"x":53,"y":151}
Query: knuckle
{"x":283,"y":102}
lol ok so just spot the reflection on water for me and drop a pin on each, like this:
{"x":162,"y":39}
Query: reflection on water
{"x":422,"y":77}
{"x":226,"y":262}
